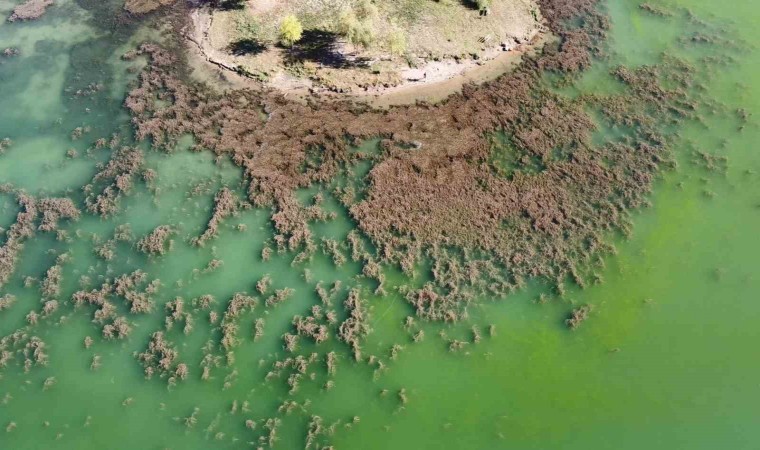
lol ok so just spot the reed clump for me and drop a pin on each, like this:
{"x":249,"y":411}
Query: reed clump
{"x":158,"y":241}
{"x":161,"y":358}
{"x":6,"y":301}
{"x":578,"y":316}
{"x":225,"y":205}
{"x":48,"y":211}
{"x":356,"y":326}
{"x":30,"y":10}
{"x":113,"y":180}
{"x":238,"y":304}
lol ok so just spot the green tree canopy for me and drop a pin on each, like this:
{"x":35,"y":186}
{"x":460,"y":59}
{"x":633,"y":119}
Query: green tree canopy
{"x":291,"y":30}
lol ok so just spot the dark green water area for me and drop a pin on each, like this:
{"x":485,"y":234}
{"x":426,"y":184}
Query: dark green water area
{"x":668,"y":357}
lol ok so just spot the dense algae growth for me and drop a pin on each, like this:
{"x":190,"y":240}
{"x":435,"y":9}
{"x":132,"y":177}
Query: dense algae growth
{"x":342,"y":209}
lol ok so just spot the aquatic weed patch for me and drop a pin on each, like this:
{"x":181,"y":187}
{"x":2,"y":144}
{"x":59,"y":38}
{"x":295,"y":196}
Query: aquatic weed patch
{"x":436,"y":184}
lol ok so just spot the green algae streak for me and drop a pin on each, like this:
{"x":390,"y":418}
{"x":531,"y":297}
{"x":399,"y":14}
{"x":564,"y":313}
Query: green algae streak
{"x":668,"y":359}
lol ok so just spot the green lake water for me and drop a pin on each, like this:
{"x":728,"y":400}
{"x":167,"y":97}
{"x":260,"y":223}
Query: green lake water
{"x":668,"y":360}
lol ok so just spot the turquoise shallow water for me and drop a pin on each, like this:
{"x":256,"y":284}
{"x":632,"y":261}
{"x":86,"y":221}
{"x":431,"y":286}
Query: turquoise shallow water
{"x":668,"y":359}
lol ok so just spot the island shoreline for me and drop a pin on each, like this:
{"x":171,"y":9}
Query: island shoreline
{"x":450,"y":76}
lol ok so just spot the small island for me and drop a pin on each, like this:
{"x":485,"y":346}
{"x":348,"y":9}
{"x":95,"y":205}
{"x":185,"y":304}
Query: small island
{"x":362,"y":47}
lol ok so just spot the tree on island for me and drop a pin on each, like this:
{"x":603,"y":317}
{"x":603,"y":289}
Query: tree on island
{"x":291,"y":30}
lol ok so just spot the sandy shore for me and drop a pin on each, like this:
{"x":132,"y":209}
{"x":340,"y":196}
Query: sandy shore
{"x":457,"y":75}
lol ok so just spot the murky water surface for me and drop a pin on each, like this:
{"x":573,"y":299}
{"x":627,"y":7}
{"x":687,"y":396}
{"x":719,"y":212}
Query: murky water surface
{"x":668,"y":359}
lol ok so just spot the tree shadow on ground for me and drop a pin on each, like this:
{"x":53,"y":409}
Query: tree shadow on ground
{"x":245,"y":47}
{"x":322,"y":47}
{"x":473,"y":5}
{"x":223,"y":5}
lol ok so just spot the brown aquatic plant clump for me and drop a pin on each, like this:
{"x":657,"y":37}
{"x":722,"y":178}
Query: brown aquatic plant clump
{"x":6,"y":143}
{"x":578,"y":316}
{"x":6,"y":301}
{"x":119,"y":329}
{"x":30,"y":10}
{"x":239,"y":304}
{"x":310,"y":327}
{"x":51,"y":284}
{"x":51,"y":210}
{"x":295,"y":367}
{"x":264,"y":284}
{"x":123,"y":233}
{"x":54,"y":209}
{"x":331,"y":363}
{"x":113,"y":180}
{"x":32,"y":348}
{"x":332,"y":249}
{"x":15,"y":236}
{"x":133,"y":288}
{"x":225,"y":204}
{"x":356,"y":326}
{"x":157,"y":241}
{"x":97,"y":297}
{"x":258,"y":329}
{"x":204,"y":302}
{"x":416,"y":198}
{"x":279,"y":296}
{"x":136,"y":292}
{"x":107,"y":250}
{"x":175,"y":312}
{"x":160,"y":357}
{"x":290,"y":342}
{"x":655,"y":10}
{"x":49,"y":307}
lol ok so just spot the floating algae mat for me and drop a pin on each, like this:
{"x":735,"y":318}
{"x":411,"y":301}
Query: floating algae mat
{"x":562,"y":258}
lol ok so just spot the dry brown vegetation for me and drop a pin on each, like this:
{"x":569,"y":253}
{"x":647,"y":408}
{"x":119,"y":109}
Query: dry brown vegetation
{"x":20,"y":343}
{"x":113,"y":180}
{"x":47,"y":210}
{"x":161,"y":358}
{"x":133,"y":288}
{"x":225,"y":204}
{"x":435,"y":191}
{"x":356,"y":326}
{"x":30,"y":10}
{"x":51,"y":283}
{"x":238,"y":304}
{"x":6,"y":301}
{"x":578,"y":316}
{"x":157,"y":241}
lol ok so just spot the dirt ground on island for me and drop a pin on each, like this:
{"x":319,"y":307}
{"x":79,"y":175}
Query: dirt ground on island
{"x":438,"y":50}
